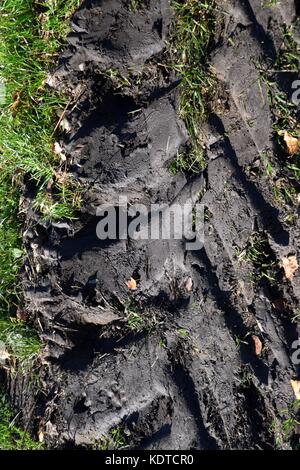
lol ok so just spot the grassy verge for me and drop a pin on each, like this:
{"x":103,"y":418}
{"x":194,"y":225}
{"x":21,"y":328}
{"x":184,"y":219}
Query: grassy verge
{"x":32,"y":33}
{"x":191,"y":36}
{"x":11,"y":436}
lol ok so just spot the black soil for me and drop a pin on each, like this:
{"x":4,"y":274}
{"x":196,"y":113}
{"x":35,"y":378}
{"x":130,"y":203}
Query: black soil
{"x":164,"y":388}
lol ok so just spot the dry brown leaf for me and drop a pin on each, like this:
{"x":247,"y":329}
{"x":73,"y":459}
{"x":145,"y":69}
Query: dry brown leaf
{"x":58,"y":150}
{"x":49,"y":81}
{"x":292,"y":143}
{"x":62,"y":177}
{"x":189,"y":285}
{"x":296,"y":387}
{"x":41,"y":430}
{"x":21,"y":314}
{"x":290,"y":266}
{"x":4,"y":355}
{"x":16,"y":103}
{"x":258,"y":346}
{"x":131,"y":284}
{"x":49,"y":185}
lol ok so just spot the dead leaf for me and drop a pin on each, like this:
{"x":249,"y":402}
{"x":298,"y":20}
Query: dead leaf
{"x":58,"y":150}
{"x":41,"y":430}
{"x":189,"y":285}
{"x":4,"y":356}
{"x":51,"y":429}
{"x":290,"y":266}
{"x":49,"y":81}
{"x":21,"y":314}
{"x":16,"y":102}
{"x":292,"y":143}
{"x":49,"y":185}
{"x":296,"y":387}
{"x":62,"y":177}
{"x":132,"y":284}
{"x":65,"y":125}
{"x":258,"y":346}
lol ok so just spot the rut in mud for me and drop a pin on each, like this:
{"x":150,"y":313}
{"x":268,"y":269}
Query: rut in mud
{"x":162,"y":387}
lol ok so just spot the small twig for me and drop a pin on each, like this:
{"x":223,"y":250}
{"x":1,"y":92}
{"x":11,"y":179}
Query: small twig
{"x":61,"y":117}
{"x":72,"y":100}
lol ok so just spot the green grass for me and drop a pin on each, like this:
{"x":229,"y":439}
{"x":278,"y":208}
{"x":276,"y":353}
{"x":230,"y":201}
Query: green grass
{"x":13,"y":437}
{"x":136,"y":5}
{"x":270,"y":4}
{"x":32,"y":33}
{"x":138,"y":320}
{"x":191,"y":37}
{"x":21,"y":342}
{"x":182,"y":333}
{"x":135,"y":322}
{"x":114,"y":441}
{"x":285,"y":114}
{"x":257,"y":252}
{"x":31,"y":36}
{"x":289,"y":57}
{"x":287,"y":426}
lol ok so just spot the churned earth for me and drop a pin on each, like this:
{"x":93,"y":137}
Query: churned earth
{"x":199,"y":356}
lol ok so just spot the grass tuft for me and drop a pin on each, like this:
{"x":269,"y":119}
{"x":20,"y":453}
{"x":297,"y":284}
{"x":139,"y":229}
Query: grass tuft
{"x":191,"y":36}
{"x":114,"y":441}
{"x":285,"y":114}
{"x":259,"y":254}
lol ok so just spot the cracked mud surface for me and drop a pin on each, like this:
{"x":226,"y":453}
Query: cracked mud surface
{"x":208,"y":390}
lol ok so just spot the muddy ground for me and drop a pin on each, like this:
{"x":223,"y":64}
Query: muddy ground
{"x":191,"y":378}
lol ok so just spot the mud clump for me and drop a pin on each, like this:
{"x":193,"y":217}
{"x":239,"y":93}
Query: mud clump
{"x":188,"y":376}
